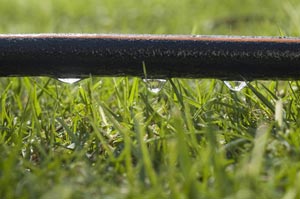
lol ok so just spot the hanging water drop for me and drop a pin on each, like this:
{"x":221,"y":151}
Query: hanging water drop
{"x":154,"y":85}
{"x":69,"y":80}
{"x":235,"y":85}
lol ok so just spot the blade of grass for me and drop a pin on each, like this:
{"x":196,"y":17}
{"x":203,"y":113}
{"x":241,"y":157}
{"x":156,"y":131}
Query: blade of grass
{"x":177,"y":93}
{"x":144,"y":153}
{"x":127,"y":151}
{"x":262,"y":98}
{"x":134,"y":92}
{"x":258,"y":151}
{"x":68,"y":130}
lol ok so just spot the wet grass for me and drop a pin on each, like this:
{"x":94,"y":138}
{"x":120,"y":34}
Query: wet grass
{"x":112,"y":138}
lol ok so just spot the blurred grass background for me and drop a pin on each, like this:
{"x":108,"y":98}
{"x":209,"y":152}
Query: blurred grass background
{"x":250,"y":17}
{"x":111,"y":138}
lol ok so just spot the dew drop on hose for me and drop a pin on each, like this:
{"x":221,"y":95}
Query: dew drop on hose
{"x":235,"y":85}
{"x":154,"y":85}
{"x":69,"y":80}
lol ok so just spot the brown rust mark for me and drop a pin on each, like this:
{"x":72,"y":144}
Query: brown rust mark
{"x":211,"y":38}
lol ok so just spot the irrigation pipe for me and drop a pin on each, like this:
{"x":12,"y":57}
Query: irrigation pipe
{"x":164,"y":56}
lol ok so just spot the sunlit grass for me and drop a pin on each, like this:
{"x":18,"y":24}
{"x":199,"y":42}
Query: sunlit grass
{"x":108,"y":137}
{"x":112,"y":137}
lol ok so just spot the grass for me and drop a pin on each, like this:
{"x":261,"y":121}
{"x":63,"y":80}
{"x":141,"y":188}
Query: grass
{"x":112,"y":138}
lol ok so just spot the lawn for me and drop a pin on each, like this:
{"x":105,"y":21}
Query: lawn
{"x":109,"y":137}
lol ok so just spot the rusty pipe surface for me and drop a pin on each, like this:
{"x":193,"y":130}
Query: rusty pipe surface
{"x":164,"y":56}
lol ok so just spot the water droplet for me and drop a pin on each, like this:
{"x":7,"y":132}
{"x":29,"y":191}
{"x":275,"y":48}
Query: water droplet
{"x":154,"y":85}
{"x":71,"y":146}
{"x":69,"y":80}
{"x":235,"y":85}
